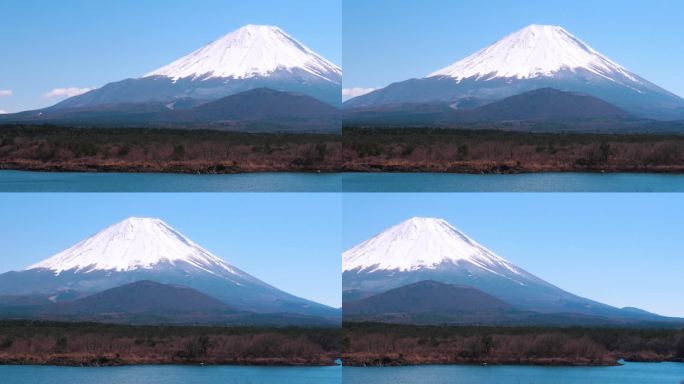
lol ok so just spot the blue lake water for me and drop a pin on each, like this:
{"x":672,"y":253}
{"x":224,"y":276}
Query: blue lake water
{"x":529,"y":182}
{"x":20,"y":181}
{"x":631,"y":373}
{"x":170,"y":374}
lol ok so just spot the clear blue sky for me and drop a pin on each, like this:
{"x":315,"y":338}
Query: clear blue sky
{"x":292,"y":241}
{"x":620,"y":249}
{"x":385,"y":41}
{"x":84,"y":43}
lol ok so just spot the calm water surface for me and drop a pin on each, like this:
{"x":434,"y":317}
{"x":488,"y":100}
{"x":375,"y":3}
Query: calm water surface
{"x":20,"y":181}
{"x":529,"y":182}
{"x":631,"y":373}
{"x":170,"y":374}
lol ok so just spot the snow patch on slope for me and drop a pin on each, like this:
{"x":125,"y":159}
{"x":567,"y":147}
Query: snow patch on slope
{"x":534,"y":51}
{"x":135,"y":243}
{"x":423,"y":243}
{"x":253,"y":50}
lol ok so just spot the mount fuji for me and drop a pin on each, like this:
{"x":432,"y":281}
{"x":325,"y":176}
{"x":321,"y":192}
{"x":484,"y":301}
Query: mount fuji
{"x":538,"y":56}
{"x":141,"y":249}
{"x":426,"y":249}
{"x":254,"y":56}
{"x":227,"y":71}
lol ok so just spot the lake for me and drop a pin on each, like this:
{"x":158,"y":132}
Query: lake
{"x":170,"y":374}
{"x":630,"y":373}
{"x":527,"y":182}
{"x":22,"y":181}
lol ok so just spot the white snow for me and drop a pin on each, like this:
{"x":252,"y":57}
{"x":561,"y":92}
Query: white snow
{"x":135,"y":243}
{"x":534,"y":51}
{"x":253,"y":50}
{"x":350,"y":93}
{"x":420,"y":243}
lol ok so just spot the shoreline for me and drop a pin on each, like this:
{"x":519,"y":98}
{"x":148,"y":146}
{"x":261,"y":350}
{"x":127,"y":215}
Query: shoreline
{"x":505,"y":169}
{"x":540,"y":362}
{"x":170,"y":169}
{"x":113,"y":361}
{"x":221,"y":169}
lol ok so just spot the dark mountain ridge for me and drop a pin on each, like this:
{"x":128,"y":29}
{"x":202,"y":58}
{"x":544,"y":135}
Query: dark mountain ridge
{"x":149,"y":302}
{"x":426,"y":296}
{"x":431,"y":302}
{"x":545,"y":104}
{"x":259,"y":109}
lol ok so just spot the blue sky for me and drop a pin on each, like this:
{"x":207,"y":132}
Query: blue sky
{"x":292,"y":241}
{"x":385,"y":41}
{"x":620,"y":249}
{"x":57,"y":45}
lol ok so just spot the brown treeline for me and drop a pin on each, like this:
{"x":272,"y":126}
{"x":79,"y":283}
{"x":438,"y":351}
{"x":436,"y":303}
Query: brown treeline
{"x":359,"y":344}
{"x":497,"y":151}
{"x":51,"y":148}
{"x":369,"y":344}
{"x":91,"y":344}
{"x":357,"y":149}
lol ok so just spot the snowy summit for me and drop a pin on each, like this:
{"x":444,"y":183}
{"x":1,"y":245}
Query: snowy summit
{"x":422,"y":243}
{"x":535,"y":57}
{"x":132,"y":244}
{"x":251,"y":51}
{"x":534,"y":51}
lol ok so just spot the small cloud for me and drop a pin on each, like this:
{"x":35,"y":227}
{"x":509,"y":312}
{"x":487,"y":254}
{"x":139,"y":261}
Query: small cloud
{"x":66,"y":92}
{"x":5,"y":92}
{"x":350,"y":93}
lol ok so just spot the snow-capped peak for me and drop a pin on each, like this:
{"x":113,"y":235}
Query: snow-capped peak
{"x":420,"y":243}
{"x":135,"y":243}
{"x":250,"y":51}
{"x":534,"y":51}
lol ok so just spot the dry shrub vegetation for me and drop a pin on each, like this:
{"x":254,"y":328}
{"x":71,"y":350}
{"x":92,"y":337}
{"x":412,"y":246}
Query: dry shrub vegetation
{"x":357,"y":149}
{"x":367,"y":344}
{"x":164,"y":150}
{"x":495,"y":151}
{"x":90,"y":344}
